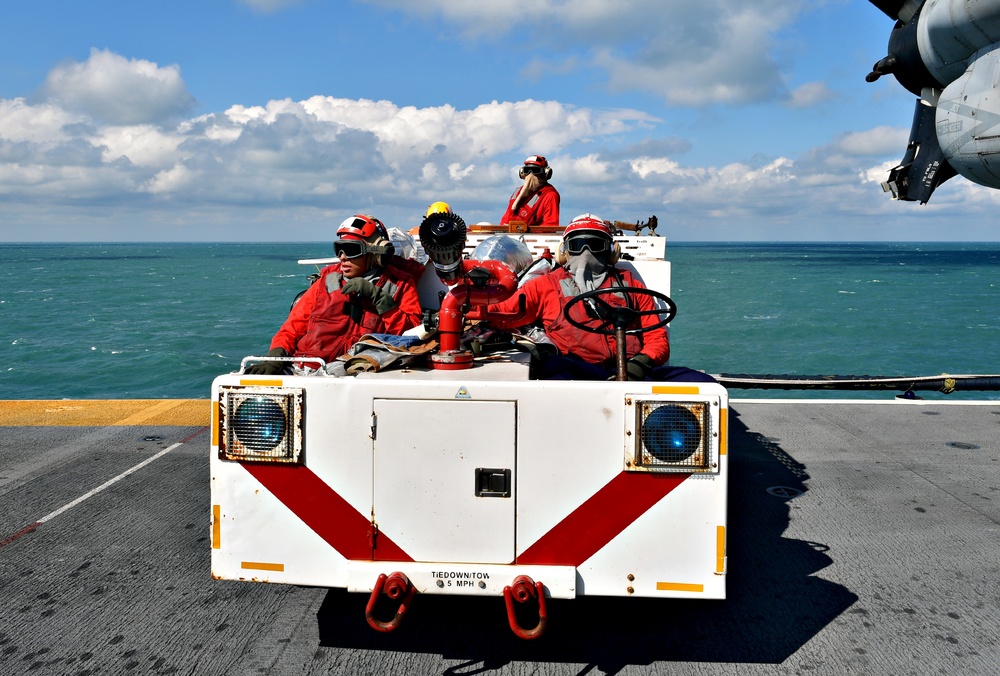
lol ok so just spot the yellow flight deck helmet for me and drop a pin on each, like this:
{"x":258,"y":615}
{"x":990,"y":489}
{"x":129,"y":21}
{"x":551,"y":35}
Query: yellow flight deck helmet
{"x":438,"y":208}
{"x":435,"y":208}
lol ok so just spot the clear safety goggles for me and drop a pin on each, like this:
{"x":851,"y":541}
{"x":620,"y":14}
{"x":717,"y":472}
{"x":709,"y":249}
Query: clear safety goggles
{"x":596,"y":244}
{"x":349,"y":248}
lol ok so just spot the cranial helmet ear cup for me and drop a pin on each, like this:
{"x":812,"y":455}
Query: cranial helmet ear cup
{"x":561,"y":256}
{"x":548,"y":173}
{"x":388,"y":251}
{"x":385,"y":249}
{"x":616,"y":253}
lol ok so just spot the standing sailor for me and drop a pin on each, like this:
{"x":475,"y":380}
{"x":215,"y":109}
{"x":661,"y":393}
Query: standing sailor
{"x":535,"y":202}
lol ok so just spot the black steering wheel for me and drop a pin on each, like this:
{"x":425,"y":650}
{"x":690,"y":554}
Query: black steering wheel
{"x":615,"y":316}
{"x":614,"y":319}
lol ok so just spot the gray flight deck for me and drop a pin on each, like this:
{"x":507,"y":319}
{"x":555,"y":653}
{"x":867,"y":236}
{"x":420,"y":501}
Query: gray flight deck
{"x":864,"y":538}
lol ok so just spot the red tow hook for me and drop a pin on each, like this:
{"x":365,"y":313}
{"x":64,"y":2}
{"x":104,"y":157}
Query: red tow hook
{"x":395,"y":586}
{"x":525,"y":589}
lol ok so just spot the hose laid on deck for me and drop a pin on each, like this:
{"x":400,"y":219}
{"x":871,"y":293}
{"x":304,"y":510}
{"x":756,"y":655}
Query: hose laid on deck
{"x":942,"y":383}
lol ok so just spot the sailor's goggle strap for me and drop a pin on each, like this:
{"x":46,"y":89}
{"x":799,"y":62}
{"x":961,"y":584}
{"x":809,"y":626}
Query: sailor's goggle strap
{"x":596,"y":244}
{"x":352,"y":248}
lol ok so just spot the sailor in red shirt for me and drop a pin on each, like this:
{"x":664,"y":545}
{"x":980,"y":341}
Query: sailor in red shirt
{"x":370,"y":290}
{"x":535,"y":202}
{"x":587,"y":257}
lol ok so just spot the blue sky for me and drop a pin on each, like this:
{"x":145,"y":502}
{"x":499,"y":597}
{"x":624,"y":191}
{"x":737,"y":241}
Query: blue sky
{"x":255,"y":120}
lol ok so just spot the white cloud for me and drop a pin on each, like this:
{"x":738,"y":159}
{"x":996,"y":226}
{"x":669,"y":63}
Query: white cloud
{"x":170,"y":180}
{"x":688,"y":53}
{"x":110,"y":88}
{"x":402,"y":136}
{"x":142,"y":145}
{"x":310,"y":160}
{"x":320,"y":151}
{"x":722,"y":58}
{"x":339,"y":155}
{"x":879,"y":141}
{"x":42,"y":123}
{"x":648,"y":166}
{"x":809,"y":95}
{"x":269,"y":6}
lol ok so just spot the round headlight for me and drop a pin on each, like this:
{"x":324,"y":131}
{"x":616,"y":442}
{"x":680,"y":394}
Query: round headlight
{"x":671,"y":433}
{"x":259,"y":423}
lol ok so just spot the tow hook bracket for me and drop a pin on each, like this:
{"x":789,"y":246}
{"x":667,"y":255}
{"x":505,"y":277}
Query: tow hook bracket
{"x":398,"y":588}
{"x":523,"y":591}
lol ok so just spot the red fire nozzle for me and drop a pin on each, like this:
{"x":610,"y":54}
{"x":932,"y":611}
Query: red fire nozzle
{"x":478,"y":283}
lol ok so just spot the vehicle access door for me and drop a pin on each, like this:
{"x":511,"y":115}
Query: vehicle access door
{"x":444,"y":478}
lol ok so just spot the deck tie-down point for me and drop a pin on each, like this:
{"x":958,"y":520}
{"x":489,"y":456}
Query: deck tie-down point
{"x":397,"y":587}
{"x":522,"y":591}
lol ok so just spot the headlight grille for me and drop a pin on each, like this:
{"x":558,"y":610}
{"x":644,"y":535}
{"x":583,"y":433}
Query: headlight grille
{"x":672,"y":436}
{"x":261,"y":424}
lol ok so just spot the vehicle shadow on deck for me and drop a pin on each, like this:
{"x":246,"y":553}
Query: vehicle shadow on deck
{"x":774,"y":604}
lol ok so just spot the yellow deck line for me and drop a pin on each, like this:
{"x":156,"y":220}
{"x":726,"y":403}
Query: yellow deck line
{"x":105,"y":412}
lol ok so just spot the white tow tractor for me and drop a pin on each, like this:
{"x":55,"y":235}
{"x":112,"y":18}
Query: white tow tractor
{"x":460,"y":474}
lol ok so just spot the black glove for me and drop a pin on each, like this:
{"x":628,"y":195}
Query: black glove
{"x":270,"y":368}
{"x":638,"y":367}
{"x":363,"y":288}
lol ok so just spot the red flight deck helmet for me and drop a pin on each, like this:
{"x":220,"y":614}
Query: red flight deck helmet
{"x":535,"y":164}
{"x":362,"y":234}
{"x":590,"y":232}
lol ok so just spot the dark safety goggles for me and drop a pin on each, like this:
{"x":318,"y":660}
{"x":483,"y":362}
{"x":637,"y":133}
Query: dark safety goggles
{"x":596,"y":244}
{"x":349,"y":248}
{"x":531,"y":169}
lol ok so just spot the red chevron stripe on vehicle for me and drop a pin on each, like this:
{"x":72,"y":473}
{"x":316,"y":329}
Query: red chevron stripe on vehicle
{"x":576,"y":538}
{"x":325,"y":512}
{"x":600,"y":519}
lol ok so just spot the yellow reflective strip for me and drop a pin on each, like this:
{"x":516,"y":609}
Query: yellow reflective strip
{"x":216,"y":527}
{"x":679,"y":586}
{"x":256,"y":565}
{"x":262,"y":382}
{"x":723,"y":431}
{"x":675,"y":389}
{"x":215,"y":423}
{"x":720,"y":549}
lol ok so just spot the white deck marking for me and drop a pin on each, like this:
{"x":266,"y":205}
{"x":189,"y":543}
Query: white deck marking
{"x":95,"y":491}
{"x":109,"y":482}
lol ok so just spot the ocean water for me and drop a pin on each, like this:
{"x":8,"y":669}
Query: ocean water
{"x":892,"y":309}
{"x":97,"y":321}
